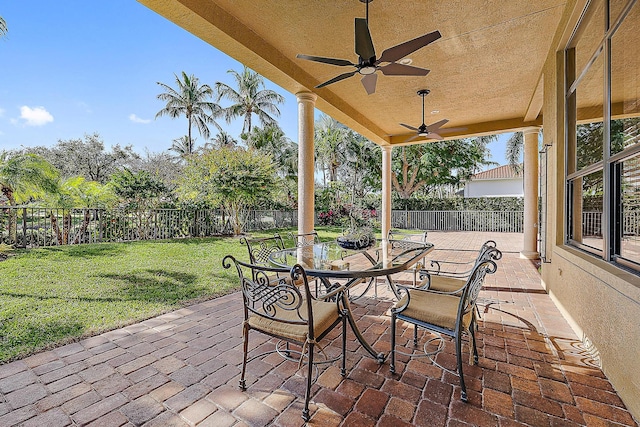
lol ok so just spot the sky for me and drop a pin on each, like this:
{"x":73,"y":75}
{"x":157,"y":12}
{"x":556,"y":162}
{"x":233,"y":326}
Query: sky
{"x":75,"y":67}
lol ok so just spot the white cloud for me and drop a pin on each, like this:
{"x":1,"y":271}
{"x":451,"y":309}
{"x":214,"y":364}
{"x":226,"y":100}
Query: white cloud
{"x":137,"y":119}
{"x":36,"y":116}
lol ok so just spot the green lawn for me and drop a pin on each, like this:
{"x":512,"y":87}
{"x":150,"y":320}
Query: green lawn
{"x":54,"y":295}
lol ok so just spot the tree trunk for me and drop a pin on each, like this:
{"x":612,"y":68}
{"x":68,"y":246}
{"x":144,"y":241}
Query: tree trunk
{"x":55,"y":227}
{"x":66,"y":226}
{"x":83,"y":228}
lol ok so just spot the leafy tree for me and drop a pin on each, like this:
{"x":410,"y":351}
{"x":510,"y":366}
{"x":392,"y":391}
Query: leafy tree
{"x":191,"y":100}
{"x":250,"y":98}
{"x":24,"y":176}
{"x":162,"y":166}
{"x":139,"y":192}
{"x":76,"y":192}
{"x":233,"y":178}
{"x":426,"y":166}
{"x":87,"y":157}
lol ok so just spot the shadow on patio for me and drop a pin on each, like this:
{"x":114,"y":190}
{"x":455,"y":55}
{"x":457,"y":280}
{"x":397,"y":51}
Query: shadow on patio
{"x":182,"y":369}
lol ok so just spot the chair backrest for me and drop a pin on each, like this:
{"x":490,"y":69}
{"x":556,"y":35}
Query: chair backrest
{"x":272,"y":292}
{"x":305,"y":239}
{"x":261,"y":248}
{"x":406,"y":239}
{"x":488,"y":251}
{"x":472,"y":288}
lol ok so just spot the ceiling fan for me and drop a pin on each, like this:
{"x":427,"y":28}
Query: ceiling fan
{"x":368,"y":63}
{"x":433,"y":130}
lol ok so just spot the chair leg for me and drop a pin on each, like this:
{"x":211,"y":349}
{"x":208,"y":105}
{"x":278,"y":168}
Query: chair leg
{"x":307,"y":395}
{"x":343,"y":371}
{"x":415,"y":335}
{"x":245,"y":349}
{"x":472,"y":331}
{"x":392,"y":363}
{"x":463,"y":393}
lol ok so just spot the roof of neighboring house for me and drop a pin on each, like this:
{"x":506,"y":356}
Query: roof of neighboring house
{"x":501,"y":172}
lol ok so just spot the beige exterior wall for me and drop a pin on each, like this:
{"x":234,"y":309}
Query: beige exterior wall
{"x":601,"y":301}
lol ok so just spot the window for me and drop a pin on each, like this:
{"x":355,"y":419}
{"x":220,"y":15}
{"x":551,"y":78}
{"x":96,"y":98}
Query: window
{"x":603,"y":118}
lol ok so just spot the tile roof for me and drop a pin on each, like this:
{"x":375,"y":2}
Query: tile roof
{"x":501,"y":172}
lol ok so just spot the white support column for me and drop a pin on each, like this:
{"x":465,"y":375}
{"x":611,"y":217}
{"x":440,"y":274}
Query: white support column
{"x":386,"y":191}
{"x":530,"y":249}
{"x":306,"y":208}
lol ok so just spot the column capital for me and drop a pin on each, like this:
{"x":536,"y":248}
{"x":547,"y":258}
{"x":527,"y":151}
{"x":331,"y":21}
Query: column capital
{"x":531,"y":129}
{"x":306,"y":96}
{"x":387,"y":148}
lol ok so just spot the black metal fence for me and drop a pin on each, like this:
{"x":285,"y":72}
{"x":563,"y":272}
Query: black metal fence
{"x":33,"y":227}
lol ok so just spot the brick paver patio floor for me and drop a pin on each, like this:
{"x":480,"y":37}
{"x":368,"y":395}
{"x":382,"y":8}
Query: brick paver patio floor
{"x":182,"y":369}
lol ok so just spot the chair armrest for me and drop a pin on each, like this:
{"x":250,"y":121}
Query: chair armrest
{"x":449,"y":268}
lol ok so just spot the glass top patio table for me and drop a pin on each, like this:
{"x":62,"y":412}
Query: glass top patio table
{"x":327,"y":261}
{"x":330,"y":260}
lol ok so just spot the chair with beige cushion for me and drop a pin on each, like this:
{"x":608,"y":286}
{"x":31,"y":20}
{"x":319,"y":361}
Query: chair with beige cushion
{"x":275,"y":305}
{"x":443,"y":313}
{"x":453,"y":278}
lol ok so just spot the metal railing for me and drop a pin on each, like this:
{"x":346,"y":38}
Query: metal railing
{"x":34,"y":226}
{"x":500,"y":222}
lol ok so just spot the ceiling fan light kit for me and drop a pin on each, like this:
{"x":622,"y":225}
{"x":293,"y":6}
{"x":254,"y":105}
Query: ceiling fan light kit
{"x":368,"y":63}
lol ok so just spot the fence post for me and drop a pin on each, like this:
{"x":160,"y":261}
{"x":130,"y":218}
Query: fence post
{"x":24,"y":227}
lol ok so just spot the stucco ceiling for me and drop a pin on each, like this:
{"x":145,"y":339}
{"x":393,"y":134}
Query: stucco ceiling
{"x":485,"y":70}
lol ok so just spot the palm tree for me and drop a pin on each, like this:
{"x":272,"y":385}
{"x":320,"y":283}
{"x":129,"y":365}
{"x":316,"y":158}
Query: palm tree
{"x":183,"y":146}
{"x":270,"y":139}
{"x":223,"y":139}
{"x":3,"y":27}
{"x":515,"y":145}
{"x":23,"y":176}
{"x":249,"y":99}
{"x":330,"y":139}
{"x":192,"y":100}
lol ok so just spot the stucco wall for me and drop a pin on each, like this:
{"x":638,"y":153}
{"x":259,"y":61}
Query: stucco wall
{"x":600,"y":300}
{"x":494,"y":188}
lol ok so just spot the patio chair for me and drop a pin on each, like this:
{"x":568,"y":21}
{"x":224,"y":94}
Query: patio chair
{"x":261,"y":248}
{"x":305,"y":239}
{"x":278,"y":307}
{"x":443,"y":313}
{"x":405,"y":240}
{"x":453,"y":278}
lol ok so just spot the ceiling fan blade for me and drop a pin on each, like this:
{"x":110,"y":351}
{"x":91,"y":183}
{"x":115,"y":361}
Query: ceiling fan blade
{"x":332,"y":61}
{"x":336,"y":79}
{"x":394,"y":69}
{"x":403,"y":49}
{"x":409,"y":127}
{"x":437,"y":125}
{"x":432,"y":135}
{"x":451,"y":130}
{"x":364,"y":44}
{"x":369,"y":83}
{"x":412,"y":138}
